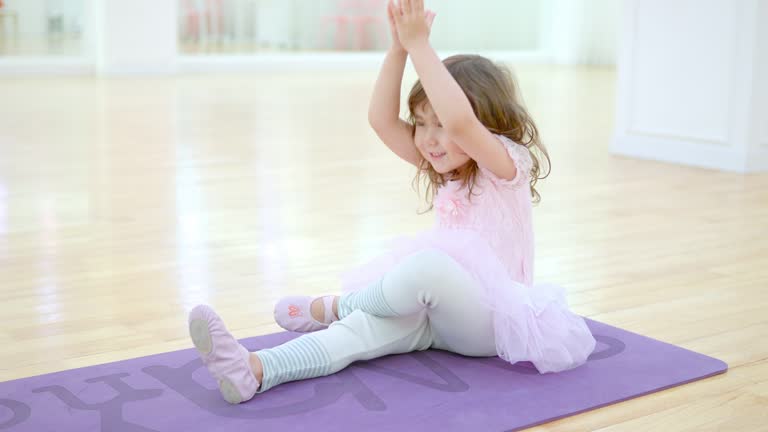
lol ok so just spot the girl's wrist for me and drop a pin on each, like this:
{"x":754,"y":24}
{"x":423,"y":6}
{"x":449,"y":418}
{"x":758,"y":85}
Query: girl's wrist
{"x":398,"y":50}
{"x":418,"y":45}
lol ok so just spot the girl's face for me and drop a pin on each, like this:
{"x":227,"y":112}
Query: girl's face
{"x":433,"y":142}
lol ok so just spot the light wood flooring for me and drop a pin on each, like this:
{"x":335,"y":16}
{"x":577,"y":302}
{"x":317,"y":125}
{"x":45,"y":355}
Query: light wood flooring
{"x":123,"y":203}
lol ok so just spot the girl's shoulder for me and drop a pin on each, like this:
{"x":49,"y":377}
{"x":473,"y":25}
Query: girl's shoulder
{"x":521,"y":157}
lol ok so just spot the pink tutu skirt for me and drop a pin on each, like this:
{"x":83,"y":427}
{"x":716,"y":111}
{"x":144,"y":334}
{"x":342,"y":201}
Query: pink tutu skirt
{"x":531,"y":323}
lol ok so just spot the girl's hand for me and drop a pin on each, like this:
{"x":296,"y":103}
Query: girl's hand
{"x":391,"y":10}
{"x":409,"y":23}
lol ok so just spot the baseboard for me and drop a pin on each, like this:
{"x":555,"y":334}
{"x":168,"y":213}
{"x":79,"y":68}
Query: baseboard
{"x":758,"y":160}
{"x":684,"y":152}
{"x":46,"y":66}
{"x":321,"y":62}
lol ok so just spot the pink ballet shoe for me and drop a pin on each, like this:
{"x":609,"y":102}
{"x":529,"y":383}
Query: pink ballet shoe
{"x":295,"y":314}
{"x":225,"y":358}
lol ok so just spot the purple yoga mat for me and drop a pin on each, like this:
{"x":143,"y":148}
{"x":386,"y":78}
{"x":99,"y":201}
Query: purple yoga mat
{"x":431,"y":390}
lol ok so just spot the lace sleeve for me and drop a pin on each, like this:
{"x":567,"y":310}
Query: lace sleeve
{"x":523,"y":162}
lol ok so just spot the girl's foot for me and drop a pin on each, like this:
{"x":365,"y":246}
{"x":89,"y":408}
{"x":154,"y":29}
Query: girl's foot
{"x":227,"y":360}
{"x":306,"y":314}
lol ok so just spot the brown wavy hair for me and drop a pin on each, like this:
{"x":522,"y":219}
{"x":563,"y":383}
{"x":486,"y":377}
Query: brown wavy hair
{"x":496,"y":102}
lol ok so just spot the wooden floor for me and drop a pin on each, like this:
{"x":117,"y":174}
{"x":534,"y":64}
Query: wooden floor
{"x":123,"y":203}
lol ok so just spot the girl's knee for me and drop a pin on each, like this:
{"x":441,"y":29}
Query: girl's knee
{"x":431,"y":264}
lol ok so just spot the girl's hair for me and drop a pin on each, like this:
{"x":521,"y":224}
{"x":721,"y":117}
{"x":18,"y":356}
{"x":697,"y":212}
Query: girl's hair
{"x":495,"y":99}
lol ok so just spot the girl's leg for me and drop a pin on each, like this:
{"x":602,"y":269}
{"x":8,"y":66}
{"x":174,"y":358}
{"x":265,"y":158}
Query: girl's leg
{"x":359,"y":336}
{"x":418,"y":282}
{"x":434,"y":282}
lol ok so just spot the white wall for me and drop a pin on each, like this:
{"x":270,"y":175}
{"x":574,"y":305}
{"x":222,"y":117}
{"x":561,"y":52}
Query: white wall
{"x":512,"y":25}
{"x":33,"y":14}
{"x":131,"y":41}
{"x":601,"y":31}
{"x":581,"y":31}
{"x":694,"y":81}
{"x":564,"y":31}
{"x":493,"y":25}
{"x":289,"y":23}
{"x":761,"y":82}
{"x":691,"y":83}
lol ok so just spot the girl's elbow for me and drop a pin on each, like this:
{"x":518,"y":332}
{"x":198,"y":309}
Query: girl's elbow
{"x":374,"y":121}
{"x":371,"y":118}
{"x":459,"y":126}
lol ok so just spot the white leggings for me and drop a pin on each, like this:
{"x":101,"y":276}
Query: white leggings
{"x":426,"y":301}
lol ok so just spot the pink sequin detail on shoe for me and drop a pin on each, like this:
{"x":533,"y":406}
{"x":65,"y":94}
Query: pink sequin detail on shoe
{"x":294,"y":314}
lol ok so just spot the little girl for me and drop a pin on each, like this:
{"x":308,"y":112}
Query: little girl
{"x":464,"y":286}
